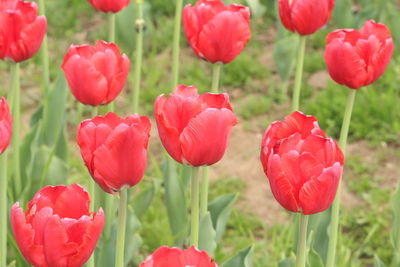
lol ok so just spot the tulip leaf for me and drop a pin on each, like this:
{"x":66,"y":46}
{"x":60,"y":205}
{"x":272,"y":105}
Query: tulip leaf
{"x":285,"y":54}
{"x":207,"y":235}
{"x":314,"y":259}
{"x":378,"y":262}
{"x":395,"y":203}
{"x":143,"y":200}
{"x":243,"y":259}
{"x":257,"y":9}
{"x":319,"y":224}
{"x":288,"y":262}
{"x":220,"y":210}
{"x":175,"y":200}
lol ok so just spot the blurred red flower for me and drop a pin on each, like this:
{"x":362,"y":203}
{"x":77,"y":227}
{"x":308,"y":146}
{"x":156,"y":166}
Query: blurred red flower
{"x":193,"y":128}
{"x":5,"y":125}
{"x":109,"y":5}
{"x":358,"y":58}
{"x":96,"y":75}
{"x":302,"y":165}
{"x":57,"y":229}
{"x":305,"y":16}
{"x":115,"y":149}
{"x":176,"y":257}
{"x":21,"y":29}
{"x":217,"y":33}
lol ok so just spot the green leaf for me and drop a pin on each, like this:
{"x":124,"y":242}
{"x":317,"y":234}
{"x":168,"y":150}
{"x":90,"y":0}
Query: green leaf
{"x":286,"y":263}
{"x":242,"y":259}
{"x":207,"y":235}
{"x":284,"y":54}
{"x":175,"y":201}
{"x":143,"y":200}
{"x":220,"y":210}
{"x":319,"y":224}
{"x":314,"y":259}
{"x":378,"y":262}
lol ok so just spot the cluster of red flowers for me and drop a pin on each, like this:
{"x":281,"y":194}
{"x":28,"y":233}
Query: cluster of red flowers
{"x":303,"y":166}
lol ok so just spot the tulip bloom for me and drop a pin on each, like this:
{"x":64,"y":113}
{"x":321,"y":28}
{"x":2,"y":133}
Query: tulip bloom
{"x":302,"y":165}
{"x":58,"y":228}
{"x":305,"y":16}
{"x":21,"y":30}
{"x":358,"y":58}
{"x":176,"y":257}
{"x":96,"y":75}
{"x":5,"y":125}
{"x":217,"y":33}
{"x":115,"y":149}
{"x":109,"y":6}
{"x":194,"y":129}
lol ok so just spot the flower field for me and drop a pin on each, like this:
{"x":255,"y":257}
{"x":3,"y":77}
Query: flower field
{"x":199,"y":133}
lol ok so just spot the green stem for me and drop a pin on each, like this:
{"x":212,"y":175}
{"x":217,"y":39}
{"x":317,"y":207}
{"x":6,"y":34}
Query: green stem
{"x":16,"y":126}
{"x":120,"y":248}
{"x":44,"y":53}
{"x":334,"y":227}
{"x":302,"y":242}
{"x":216,"y":77}
{"x":111,"y":39}
{"x":3,"y":209}
{"x":299,"y":74}
{"x":176,"y":42}
{"x":204,"y":192}
{"x":109,"y":211}
{"x":194,"y":234}
{"x":92,"y":191}
{"x":139,"y":55}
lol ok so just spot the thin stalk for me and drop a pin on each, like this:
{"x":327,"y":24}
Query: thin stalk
{"x":16,"y":126}
{"x":176,"y":42}
{"x":120,"y":248}
{"x":139,"y":55}
{"x":299,"y":74}
{"x":111,"y":39}
{"x":216,"y":77}
{"x":3,"y":209}
{"x":302,"y":242}
{"x":92,"y":190}
{"x":194,"y":232}
{"x":44,"y":53}
{"x":204,"y":193}
{"x":334,"y":228}
{"x":109,"y":211}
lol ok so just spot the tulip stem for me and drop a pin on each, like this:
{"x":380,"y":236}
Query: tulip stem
{"x":204,"y":192}
{"x":139,"y":55}
{"x":44,"y":53}
{"x":92,"y":191}
{"x":216,"y":77}
{"x":302,"y":242}
{"x":3,"y":209}
{"x":120,"y":248}
{"x":16,"y":126}
{"x":194,"y":237}
{"x":111,"y":39}
{"x":299,"y":74}
{"x":334,"y":226}
{"x":176,"y":43}
{"x":110,"y":212}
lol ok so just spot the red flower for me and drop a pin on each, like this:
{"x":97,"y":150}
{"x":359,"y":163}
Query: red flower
{"x":358,"y":58}
{"x":115,"y":149}
{"x":305,"y":16}
{"x":302,"y":165}
{"x":21,"y":30}
{"x":96,"y":75}
{"x":109,"y":5}
{"x":176,"y":257}
{"x":57,"y":229}
{"x":5,"y":125}
{"x":217,"y":33}
{"x":194,"y":129}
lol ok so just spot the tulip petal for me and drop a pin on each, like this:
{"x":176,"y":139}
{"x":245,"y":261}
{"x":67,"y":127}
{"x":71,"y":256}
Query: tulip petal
{"x":318,"y":194}
{"x":205,"y":139}
{"x":216,"y":100}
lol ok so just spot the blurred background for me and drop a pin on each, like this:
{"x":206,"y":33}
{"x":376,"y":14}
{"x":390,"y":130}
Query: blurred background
{"x":259,"y":83}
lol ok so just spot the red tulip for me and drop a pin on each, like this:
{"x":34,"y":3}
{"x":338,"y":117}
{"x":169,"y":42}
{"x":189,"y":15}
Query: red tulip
{"x":193,"y":128}
{"x":5,"y":125}
{"x":176,"y":257}
{"x":217,"y":33}
{"x":109,"y":5}
{"x":358,"y":58}
{"x":58,"y":229}
{"x":305,"y":16}
{"x":21,"y":30}
{"x":302,"y":165}
{"x":115,"y":149}
{"x":96,"y":75}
